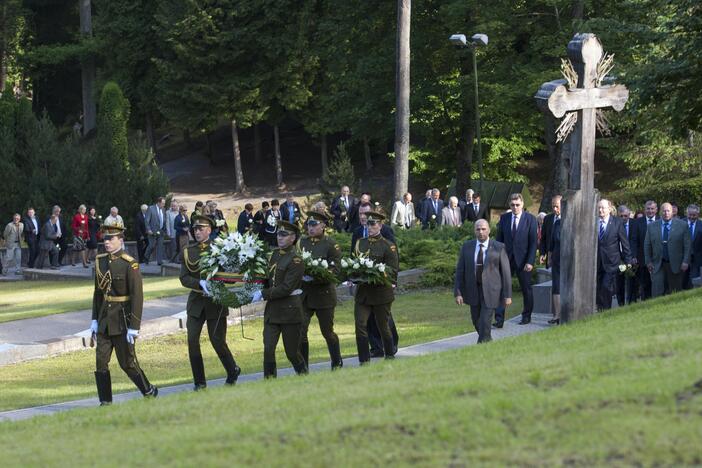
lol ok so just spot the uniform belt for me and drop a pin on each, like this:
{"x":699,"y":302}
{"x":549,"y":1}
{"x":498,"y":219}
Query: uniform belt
{"x":116,"y":298}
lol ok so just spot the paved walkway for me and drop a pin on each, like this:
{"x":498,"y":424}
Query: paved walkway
{"x":539,"y":322}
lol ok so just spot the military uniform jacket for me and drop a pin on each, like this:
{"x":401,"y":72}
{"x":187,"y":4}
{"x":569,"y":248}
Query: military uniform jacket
{"x":318,"y":294}
{"x":118,"y":298}
{"x":285,"y":271}
{"x":381,"y":250}
{"x":198,"y":303}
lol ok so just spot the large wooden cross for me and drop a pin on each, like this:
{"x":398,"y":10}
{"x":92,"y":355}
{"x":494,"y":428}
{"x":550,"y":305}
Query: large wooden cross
{"x":579,"y":99}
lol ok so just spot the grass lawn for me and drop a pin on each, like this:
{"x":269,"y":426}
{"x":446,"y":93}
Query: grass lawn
{"x":420,"y":316}
{"x":27,"y":299}
{"x":617,"y":389}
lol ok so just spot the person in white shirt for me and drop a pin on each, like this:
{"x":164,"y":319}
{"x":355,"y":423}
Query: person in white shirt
{"x":403,"y":212}
{"x":114,"y":219}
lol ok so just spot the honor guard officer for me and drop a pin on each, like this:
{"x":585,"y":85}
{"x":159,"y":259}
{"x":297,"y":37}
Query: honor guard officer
{"x":320,"y":296}
{"x":283,"y":313}
{"x":117,"y":305}
{"x":201,"y":308}
{"x":375,"y":299}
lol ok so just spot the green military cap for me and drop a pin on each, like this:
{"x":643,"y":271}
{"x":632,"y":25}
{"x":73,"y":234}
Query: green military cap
{"x":374,"y":217}
{"x":202,"y":220}
{"x":284,"y":226}
{"x":109,"y":230}
{"x":314,"y":218}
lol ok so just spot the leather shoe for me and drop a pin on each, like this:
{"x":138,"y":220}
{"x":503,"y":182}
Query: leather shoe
{"x":199,"y":387}
{"x":525,"y":321}
{"x":231,"y":379}
{"x":554,"y":321}
{"x":498,"y":325}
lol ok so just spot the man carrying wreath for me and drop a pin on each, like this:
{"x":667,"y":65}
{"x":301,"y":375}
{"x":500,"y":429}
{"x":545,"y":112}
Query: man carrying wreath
{"x":201,"y":308}
{"x":375,"y":299}
{"x":319,"y":294}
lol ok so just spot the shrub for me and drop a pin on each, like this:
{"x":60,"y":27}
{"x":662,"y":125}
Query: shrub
{"x":682,"y":192}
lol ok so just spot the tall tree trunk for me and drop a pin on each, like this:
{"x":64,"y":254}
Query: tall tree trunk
{"x":88,"y":71}
{"x":257,"y":144}
{"x":402,"y":96}
{"x":151,"y":132}
{"x":4,"y":40}
{"x":324,"y":154}
{"x":367,"y":154}
{"x":558,"y":179}
{"x":209,"y":153}
{"x":278,"y":158}
{"x":238,"y":171}
{"x":464,"y":159}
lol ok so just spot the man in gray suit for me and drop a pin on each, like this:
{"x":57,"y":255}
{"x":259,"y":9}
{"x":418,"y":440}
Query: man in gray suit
{"x":156,"y":229}
{"x":667,"y":252}
{"x":483,"y":279}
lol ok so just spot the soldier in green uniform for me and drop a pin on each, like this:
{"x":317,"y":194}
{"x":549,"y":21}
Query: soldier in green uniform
{"x":117,"y":305}
{"x":201,"y":308}
{"x":283,"y":313}
{"x":376,"y":299}
{"x":320,"y":296}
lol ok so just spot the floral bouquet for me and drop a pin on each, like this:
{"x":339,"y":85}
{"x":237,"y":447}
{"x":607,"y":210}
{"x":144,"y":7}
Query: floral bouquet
{"x":235,"y":268}
{"x":362,"y":269}
{"x":627,"y":270}
{"x":318,"y":268}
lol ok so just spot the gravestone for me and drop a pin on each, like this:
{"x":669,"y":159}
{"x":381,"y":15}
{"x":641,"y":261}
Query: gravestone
{"x":579,"y":100}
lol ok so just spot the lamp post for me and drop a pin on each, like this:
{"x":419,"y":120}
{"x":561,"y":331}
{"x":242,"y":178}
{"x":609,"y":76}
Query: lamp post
{"x":476,"y":41}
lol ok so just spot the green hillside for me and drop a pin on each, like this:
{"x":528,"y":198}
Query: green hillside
{"x":618,"y":389}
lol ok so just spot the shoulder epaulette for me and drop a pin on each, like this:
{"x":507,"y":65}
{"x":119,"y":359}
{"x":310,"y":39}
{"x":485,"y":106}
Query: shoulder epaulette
{"x":127,"y":257}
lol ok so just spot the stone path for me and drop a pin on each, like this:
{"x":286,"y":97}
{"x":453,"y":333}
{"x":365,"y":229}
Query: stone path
{"x":539,"y":322}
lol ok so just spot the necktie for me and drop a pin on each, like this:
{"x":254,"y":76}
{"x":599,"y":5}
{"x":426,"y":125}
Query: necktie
{"x":649,"y":221}
{"x":475,"y":208}
{"x":692,"y":230}
{"x":602,"y":230}
{"x":479,"y":265}
{"x":514,"y":227}
{"x":436,"y":209}
{"x":365,"y":232}
{"x":56,"y":228}
{"x":627,"y":230}
{"x":346,"y":203}
{"x":160,"y":217}
{"x":666,"y":232}
{"x":291,"y":214}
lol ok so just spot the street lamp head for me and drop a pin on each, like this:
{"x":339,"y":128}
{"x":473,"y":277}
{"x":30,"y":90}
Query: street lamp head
{"x":458,"y":40}
{"x":479,"y":39}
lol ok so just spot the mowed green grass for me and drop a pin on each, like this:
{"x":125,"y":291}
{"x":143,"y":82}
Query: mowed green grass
{"x":420,"y":316}
{"x":27,"y":299}
{"x":615,"y":390}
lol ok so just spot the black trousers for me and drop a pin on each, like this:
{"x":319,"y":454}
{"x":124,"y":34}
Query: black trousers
{"x":292,"y":334}
{"x":126,"y":357}
{"x":524,"y":278}
{"x":217,"y":331}
{"x":481,"y":316}
{"x":375,"y":339}
{"x":141,"y":249}
{"x":644,"y":282}
{"x":605,"y":289}
{"x":33,"y":246}
{"x":626,"y":289}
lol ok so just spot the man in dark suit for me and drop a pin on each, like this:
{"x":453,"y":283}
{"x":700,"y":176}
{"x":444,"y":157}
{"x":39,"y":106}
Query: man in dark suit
{"x":463,"y":202}
{"x":419,"y":207}
{"x":517,"y":230}
{"x":612,"y":251}
{"x":140,"y":233}
{"x":694,"y":225}
{"x":290,"y":211}
{"x":483,"y":279}
{"x":667,"y":252}
{"x":550,"y":250}
{"x":643,"y":277}
{"x":627,"y":285}
{"x":62,"y":234}
{"x":341,"y":209}
{"x":156,"y":229}
{"x":245,"y":222}
{"x":476,"y":210}
{"x":31,"y":236}
{"x":431,"y":216}
{"x":374,"y":338}
{"x":354,"y":216}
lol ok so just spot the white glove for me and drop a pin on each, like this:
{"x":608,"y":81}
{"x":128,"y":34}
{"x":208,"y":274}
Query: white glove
{"x":296,"y":292}
{"x":257,"y":296}
{"x":94,"y":327}
{"x":203,"y":285}
{"x":307,"y":278}
{"x":131,"y":334}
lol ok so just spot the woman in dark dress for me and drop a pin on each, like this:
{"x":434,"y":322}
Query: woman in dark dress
{"x":94,"y":223}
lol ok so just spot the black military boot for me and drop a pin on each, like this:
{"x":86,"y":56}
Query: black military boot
{"x":363,"y":350}
{"x":142,"y":383}
{"x":269,"y":370}
{"x":305,"y":352}
{"x":335,"y":354}
{"x":232,"y":375}
{"x":104,"y":387}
